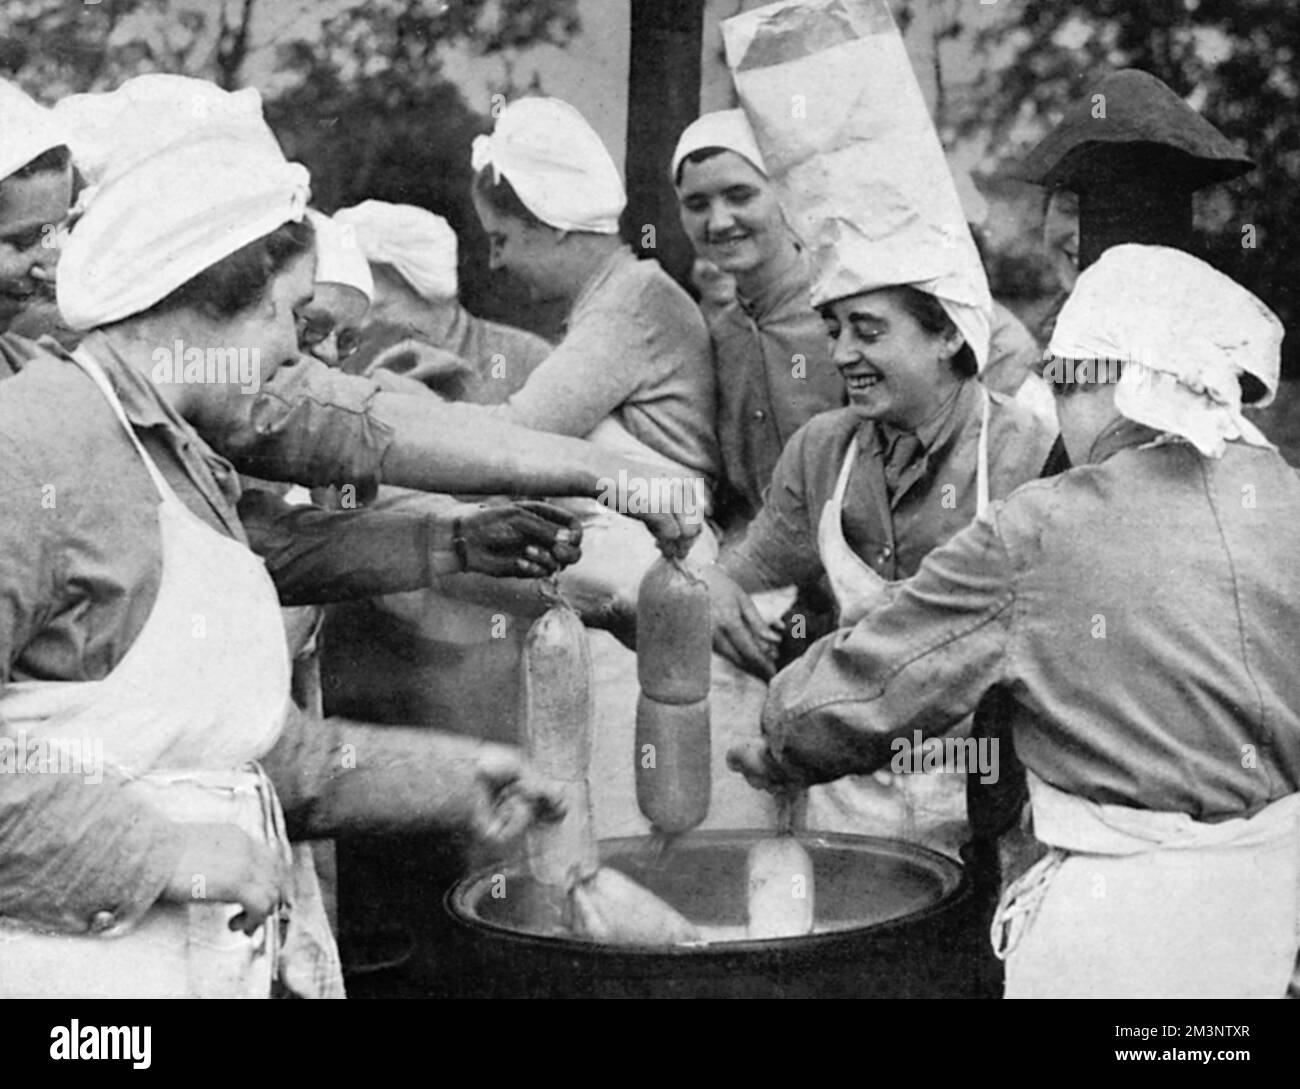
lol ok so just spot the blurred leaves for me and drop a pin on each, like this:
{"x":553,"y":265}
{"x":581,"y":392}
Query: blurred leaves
{"x":1233,"y":60}
{"x":358,"y":94}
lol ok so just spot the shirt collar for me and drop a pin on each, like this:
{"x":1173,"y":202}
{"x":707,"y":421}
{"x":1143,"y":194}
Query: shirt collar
{"x":146,"y":409}
{"x":791,"y":285}
{"x":938,"y":429}
{"x":141,"y":401}
{"x":1119,"y":434}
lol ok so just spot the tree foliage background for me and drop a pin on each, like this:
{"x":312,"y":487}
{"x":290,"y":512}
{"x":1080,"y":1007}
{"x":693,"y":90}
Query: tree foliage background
{"x":1233,"y":60}
{"x":358,"y":91}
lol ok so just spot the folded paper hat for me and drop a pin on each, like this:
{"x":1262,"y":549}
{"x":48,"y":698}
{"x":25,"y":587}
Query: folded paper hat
{"x":848,"y":142}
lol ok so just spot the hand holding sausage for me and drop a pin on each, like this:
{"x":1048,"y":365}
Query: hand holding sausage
{"x":520,"y":540}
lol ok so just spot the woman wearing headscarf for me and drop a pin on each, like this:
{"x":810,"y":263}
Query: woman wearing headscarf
{"x":1142,"y":610}
{"x":143,"y":643}
{"x":310,"y":424}
{"x":770,"y":350}
{"x":633,"y":373}
{"x":634,"y":360}
{"x":417,"y":326}
{"x":36,"y":184}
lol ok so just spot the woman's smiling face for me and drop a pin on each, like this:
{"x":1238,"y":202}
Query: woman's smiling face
{"x":730,"y":213}
{"x":895,"y":371}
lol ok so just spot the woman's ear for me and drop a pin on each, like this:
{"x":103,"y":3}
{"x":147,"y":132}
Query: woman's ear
{"x":951,"y":343}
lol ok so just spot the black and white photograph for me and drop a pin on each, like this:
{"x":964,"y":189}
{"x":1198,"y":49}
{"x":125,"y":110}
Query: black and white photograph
{"x":652,"y":499}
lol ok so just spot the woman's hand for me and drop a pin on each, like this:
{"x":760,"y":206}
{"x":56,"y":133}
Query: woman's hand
{"x":510,"y":798}
{"x":521,"y":540}
{"x":670,"y":505}
{"x":753,"y":760}
{"x":222,"y":863}
{"x":740,"y":634}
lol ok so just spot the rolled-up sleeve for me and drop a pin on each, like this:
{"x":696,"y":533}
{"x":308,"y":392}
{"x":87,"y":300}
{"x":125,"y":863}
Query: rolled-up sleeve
{"x":72,"y":848}
{"x":920,"y":662}
{"x":77,"y":855}
{"x":315,"y":426}
{"x":316,"y":556}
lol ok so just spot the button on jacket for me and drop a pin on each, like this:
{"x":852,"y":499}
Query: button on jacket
{"x":773,"y":361}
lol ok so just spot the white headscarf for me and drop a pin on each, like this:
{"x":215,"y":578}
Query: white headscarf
{"x":112,"y":130}
{"x":1184,"y":333}
{"x":27,"y":129}
{"x":421,"y":246}
{"x":188,"y":185}
{"x":556,"y":164}
{"x":339,"y":259}
{"x":723,"y":128}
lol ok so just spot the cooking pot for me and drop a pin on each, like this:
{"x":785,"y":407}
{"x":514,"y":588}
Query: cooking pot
{"x":892,"y":920}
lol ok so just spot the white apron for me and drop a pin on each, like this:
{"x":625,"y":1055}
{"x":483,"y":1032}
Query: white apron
{"x":928,"y":808}
{"x":1133,"y":903}
{"x":197,"y":699}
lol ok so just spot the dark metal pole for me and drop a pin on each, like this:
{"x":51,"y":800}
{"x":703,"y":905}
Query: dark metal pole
{"x":663,"y":98}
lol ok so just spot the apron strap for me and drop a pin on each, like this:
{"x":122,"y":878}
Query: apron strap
{"x":88,"y":364}
{"x":846,"y":470}
{"x":982,"y":462}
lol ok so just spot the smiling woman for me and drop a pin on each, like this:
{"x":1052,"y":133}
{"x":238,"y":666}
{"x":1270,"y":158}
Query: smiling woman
{"x":135,"y":613}
{"x":33,"y":204}
{"x":901,"y":357}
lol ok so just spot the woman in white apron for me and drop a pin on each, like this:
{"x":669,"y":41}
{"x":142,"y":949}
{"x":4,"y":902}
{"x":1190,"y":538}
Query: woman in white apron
{"x":160,"y":655}
{"x":188,"y":718}
{"x":1159,"y":729}
{"x":914,"y":457}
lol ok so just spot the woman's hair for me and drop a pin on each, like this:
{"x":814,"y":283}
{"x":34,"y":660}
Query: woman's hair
{"x":930,"y":315}
{"x":240,"y":280}
{"x":501,"y":197}
{"x":699,"y":155}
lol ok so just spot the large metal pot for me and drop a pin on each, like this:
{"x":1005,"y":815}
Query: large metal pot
{"x":893,"y":920}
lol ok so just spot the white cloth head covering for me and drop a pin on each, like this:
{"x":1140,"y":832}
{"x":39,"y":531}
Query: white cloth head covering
{"x":1184,"y":333}
{"x":421,"y":246}
{"x":339,"y":259}
{"x":849,"y":144}
{"x":111,"y":130}
{"x":27,"y":129}
{"x":723,"y":128}
{"x":192,"y":175}
{"x":556,"y":164}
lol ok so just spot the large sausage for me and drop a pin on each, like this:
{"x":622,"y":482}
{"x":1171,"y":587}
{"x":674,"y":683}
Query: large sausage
{"x":673,"y":763}
{"x":557,"y":715}
{"x":674,"y":634}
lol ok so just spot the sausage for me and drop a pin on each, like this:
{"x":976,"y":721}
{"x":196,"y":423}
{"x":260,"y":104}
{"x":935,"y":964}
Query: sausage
{"x":611,"y":907}
{"x":556,"y":712}
{"x":673,"y":763}
{"x":674,"y":634}
{"x":780,"y":885}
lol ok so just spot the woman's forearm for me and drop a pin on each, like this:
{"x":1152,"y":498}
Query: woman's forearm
{"x":445,"y":447}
